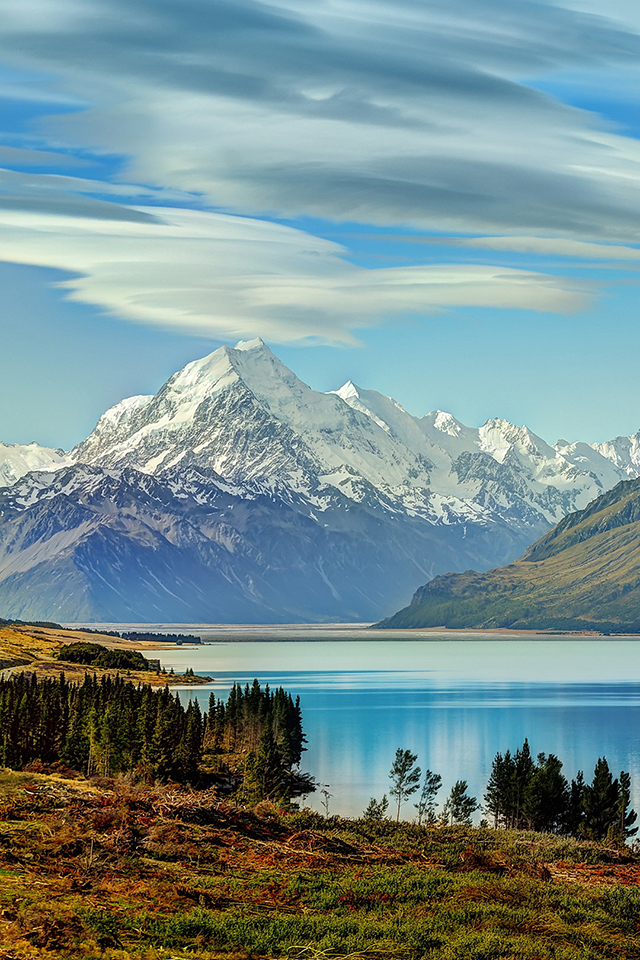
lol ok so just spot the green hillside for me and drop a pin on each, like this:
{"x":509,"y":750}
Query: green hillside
{"x":584,"y":574}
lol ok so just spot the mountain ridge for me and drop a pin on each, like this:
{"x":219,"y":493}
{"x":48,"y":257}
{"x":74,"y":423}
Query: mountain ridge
{"x":344,"y":495}
{"x":584,"y":574}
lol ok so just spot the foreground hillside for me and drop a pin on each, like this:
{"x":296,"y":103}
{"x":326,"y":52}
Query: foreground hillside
{"x":103,"y":869}
{"x":584,"y":574}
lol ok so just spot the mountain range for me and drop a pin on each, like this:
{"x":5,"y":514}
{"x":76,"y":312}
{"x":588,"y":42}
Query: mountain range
{"x":239,"y":494}
{"x":584,"y":574}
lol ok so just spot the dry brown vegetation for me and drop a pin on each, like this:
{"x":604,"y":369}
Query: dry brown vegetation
{"x":36,"y":648}
{"x":116,"y":870}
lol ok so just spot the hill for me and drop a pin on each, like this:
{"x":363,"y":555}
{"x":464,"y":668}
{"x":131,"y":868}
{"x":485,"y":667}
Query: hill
{"x":108,"y":869}
{"x":40,"y":649}
{"x":584,"y":574}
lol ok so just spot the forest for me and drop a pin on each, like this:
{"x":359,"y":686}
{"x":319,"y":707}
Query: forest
{"x":251,"y":745}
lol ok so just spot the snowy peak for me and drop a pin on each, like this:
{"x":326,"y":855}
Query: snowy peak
{"x":445,"y":423}
{"x":624,"y":452}
{"x":497,"y":437}
{"x":17,"y":459}
{"x":347,"y":392}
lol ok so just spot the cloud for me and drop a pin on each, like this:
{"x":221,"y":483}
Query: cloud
{"x":369,"y":110}
{"x":389,"y":112}
{"x":537,"y":246}
{"x":226,"y":276}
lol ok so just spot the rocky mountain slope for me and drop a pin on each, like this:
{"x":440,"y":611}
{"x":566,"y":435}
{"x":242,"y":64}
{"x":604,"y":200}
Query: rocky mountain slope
{"x":584,"y":574}
{"x":239,"y":493}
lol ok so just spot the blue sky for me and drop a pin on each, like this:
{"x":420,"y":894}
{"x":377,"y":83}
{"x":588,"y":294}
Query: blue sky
{"x":438,"y":200}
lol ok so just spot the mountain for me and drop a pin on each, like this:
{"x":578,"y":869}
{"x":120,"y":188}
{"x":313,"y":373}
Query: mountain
{"x":243,"y":414}
{"x":17,"y":459}
{"x":87,"y":543}
{"x":238,"y":493}
{"x":584,"y":574}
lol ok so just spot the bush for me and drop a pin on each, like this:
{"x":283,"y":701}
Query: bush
{"x":95,"y":655}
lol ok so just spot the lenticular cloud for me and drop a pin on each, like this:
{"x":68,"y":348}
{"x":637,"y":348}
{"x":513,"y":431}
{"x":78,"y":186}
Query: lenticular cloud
{"x":234,"y":276}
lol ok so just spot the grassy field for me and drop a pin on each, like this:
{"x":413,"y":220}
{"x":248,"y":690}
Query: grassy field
{"x":36,"y":649}
{"x":107,"y":869}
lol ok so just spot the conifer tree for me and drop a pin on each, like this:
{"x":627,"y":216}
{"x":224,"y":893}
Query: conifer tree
{"x":404,"y":776}
{"x":460,"y":807}
{"x":377,"y":809}
{"x":575,"y":809}
{"x":522,"y":773}
{"x":426,"y":805}
{"x":624,"y":816}
{"x":499,"y":794}
{"x":600,"y":802}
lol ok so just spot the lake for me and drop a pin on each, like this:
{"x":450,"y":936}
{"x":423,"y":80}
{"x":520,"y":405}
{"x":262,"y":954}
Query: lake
{"x":453,"y":701}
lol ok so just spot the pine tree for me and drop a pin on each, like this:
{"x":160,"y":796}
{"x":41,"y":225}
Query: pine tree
{"x":600,"y":802}
{"x":426,"y":805}
{"x":522,"y":773}
{"x":499,"y":794}
{"x":460,"y":807}
{"x":270,"y":772}
{"x":624,"y":816}
{"x":575,"y":810}
{"x":546,"y":796}
{"x":404,"y":776}
{"x":377,"y":809}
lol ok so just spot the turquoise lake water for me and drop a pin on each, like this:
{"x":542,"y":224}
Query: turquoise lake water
{"x":454,"y":702}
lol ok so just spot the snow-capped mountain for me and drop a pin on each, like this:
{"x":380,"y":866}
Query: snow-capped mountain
{"x":242,"y":413}
{"x":17,"y":459}
{"x":89,"y":543}
{"x":239,"y":493}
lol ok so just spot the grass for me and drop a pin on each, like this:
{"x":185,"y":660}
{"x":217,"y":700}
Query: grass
{"x":36,"y":649}
{"x":124,"y":872}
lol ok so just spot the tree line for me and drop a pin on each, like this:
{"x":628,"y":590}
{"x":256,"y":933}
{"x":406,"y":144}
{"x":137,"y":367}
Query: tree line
{"x":258,"y":734}
{"x":523,"y":793}
{"x":111,"y":726}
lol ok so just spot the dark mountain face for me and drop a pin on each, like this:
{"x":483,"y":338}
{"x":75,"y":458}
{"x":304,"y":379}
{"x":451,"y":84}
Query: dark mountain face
{"x":92,"y":544}
{"x":584,"y":574}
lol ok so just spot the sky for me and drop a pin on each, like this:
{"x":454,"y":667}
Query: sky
{"x":437,"y":199}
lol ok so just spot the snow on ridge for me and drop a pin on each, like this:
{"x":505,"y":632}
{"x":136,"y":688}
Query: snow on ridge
{"x":17,"y":459}
{"x":241,"y":412}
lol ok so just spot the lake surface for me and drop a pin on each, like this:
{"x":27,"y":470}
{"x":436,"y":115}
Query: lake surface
{"x":454,"y":702}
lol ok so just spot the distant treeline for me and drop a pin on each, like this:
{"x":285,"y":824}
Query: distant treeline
{"x":138,"y":637}
{"x":112,"y":726}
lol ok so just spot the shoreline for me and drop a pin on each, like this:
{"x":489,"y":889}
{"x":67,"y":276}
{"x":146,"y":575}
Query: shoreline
{"x":212,"y":633}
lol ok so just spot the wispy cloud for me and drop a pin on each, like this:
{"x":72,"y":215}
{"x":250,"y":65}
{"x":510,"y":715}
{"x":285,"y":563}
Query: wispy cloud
{"x":538,"y":246}
{"x":229,"y":276}
{"x":361,"y":109}
{"x":412,"y":112}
